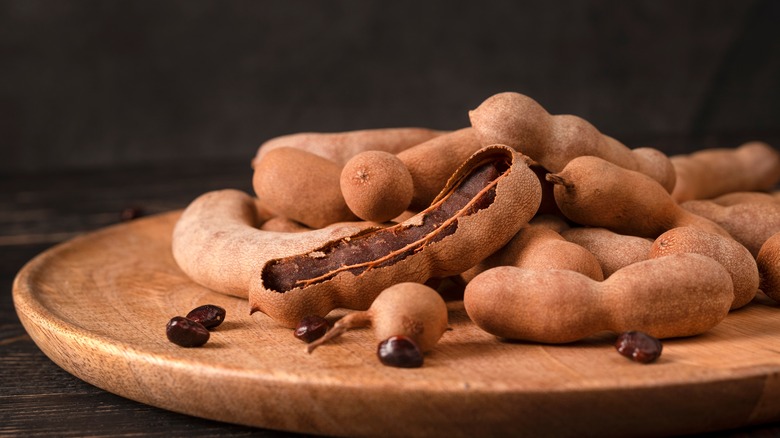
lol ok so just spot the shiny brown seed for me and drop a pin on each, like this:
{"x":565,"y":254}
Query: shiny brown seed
{"x":639,"y":346}
{"x":186,"y":332}
{"x":311,"y":328}
{"x":399,"y":351}
{"x":209,"y":315}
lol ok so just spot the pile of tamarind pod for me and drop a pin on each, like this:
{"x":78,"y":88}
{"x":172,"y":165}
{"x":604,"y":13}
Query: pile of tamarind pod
{"x":557,"y":231}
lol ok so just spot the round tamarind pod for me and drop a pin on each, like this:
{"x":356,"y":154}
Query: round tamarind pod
{"x":612,"y":250}
{"x":709,"y":173}
{"x":595,"y":192}
{"x":520,"y":122}
{"x":339,"y":147}
{"x":678,"y":295}
{"x":768,"y":261}
{"x":376,"y":186}
{"x":737,"y":260}
{"x":301,"y":186}
{"x":431,"y":163}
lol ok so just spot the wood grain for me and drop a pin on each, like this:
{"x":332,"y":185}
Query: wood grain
{"x":97,"y":305}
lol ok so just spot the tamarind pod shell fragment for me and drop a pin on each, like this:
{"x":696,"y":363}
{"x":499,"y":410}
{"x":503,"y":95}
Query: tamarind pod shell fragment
{"x":434,"y":243}
{"x":674,"y":296}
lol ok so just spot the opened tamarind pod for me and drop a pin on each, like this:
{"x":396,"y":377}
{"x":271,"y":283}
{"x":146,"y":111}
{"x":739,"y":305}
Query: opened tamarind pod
{"x":768,"y":261}
{"x":485,"y":202}
{"x":301,"y":186}
{"x":749,"y":223}
{"x":612,"y":250}
{"x":339,"y":147}
{"x":540,"y":247}
{"x":518,"y":121}
{"x":592,"y":191}
{"x":737,"y":260}
{"x":674,"y":296}
{"x":217,"y":242}
{"x":709,"y":173}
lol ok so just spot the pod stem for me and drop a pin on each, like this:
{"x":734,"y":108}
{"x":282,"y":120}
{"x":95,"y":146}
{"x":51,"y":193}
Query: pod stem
{"x":556,"y":178}
{"x":353,"y":320}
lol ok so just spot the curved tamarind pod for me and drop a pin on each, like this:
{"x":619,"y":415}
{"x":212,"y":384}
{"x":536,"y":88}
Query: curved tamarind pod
{"x":674,"y":296}
{"x":486,"y":201}
{"x":592,"y":191}
{"x":301,"y":186}
{"x":339,"y":147}
{"x":737,"y":260}
{"x":749,"y":223}
{"x":612,"y":250}
{"x":217,"y":243}
{"x":518,"y":121}
{"x":540,"y":247}
{"x":432,"y":162}
{"x":768,"y":261}
{"x":708,"y":173}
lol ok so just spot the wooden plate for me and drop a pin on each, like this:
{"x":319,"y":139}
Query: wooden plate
{"x":98,"y":305}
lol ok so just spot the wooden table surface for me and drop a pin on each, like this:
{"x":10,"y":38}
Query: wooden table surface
{"x":37,"y":398}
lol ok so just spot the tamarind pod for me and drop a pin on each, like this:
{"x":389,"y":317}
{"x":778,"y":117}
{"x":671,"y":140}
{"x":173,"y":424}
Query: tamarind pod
{"x":595,"y":192}
{"x":301,"y":186}
{"x":217,"y":243}
{"x":737,"y":260}
{"x":487,"y":200}
{"x":432,"y":162}
{"x":708,"y":173}
{"x":734,"y":198}
{"x":339,"y":147}
{"x":518,"y":121}
{"x":612,"y":250}
{"x":768,"y":261}
{"x":540,"y":247}
{"x":749,"y":223}
{"x":674,"y":296}
{"x":284,"y":225}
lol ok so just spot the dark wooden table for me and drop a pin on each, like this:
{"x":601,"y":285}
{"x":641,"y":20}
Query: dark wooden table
{"x":37,"y":398}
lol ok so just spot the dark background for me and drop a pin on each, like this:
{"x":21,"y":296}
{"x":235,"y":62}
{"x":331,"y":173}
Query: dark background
{"x":113,"y":106}
{"x":87,"y":84}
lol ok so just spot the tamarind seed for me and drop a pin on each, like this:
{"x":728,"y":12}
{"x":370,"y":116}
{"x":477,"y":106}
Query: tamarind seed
{"x":400,"y":352}
{"x":209,"y":315}
{"x":311,"y":328}
{"x":186,"y":332}
{"x":130,"y":213}
{"x":639,"y":346}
